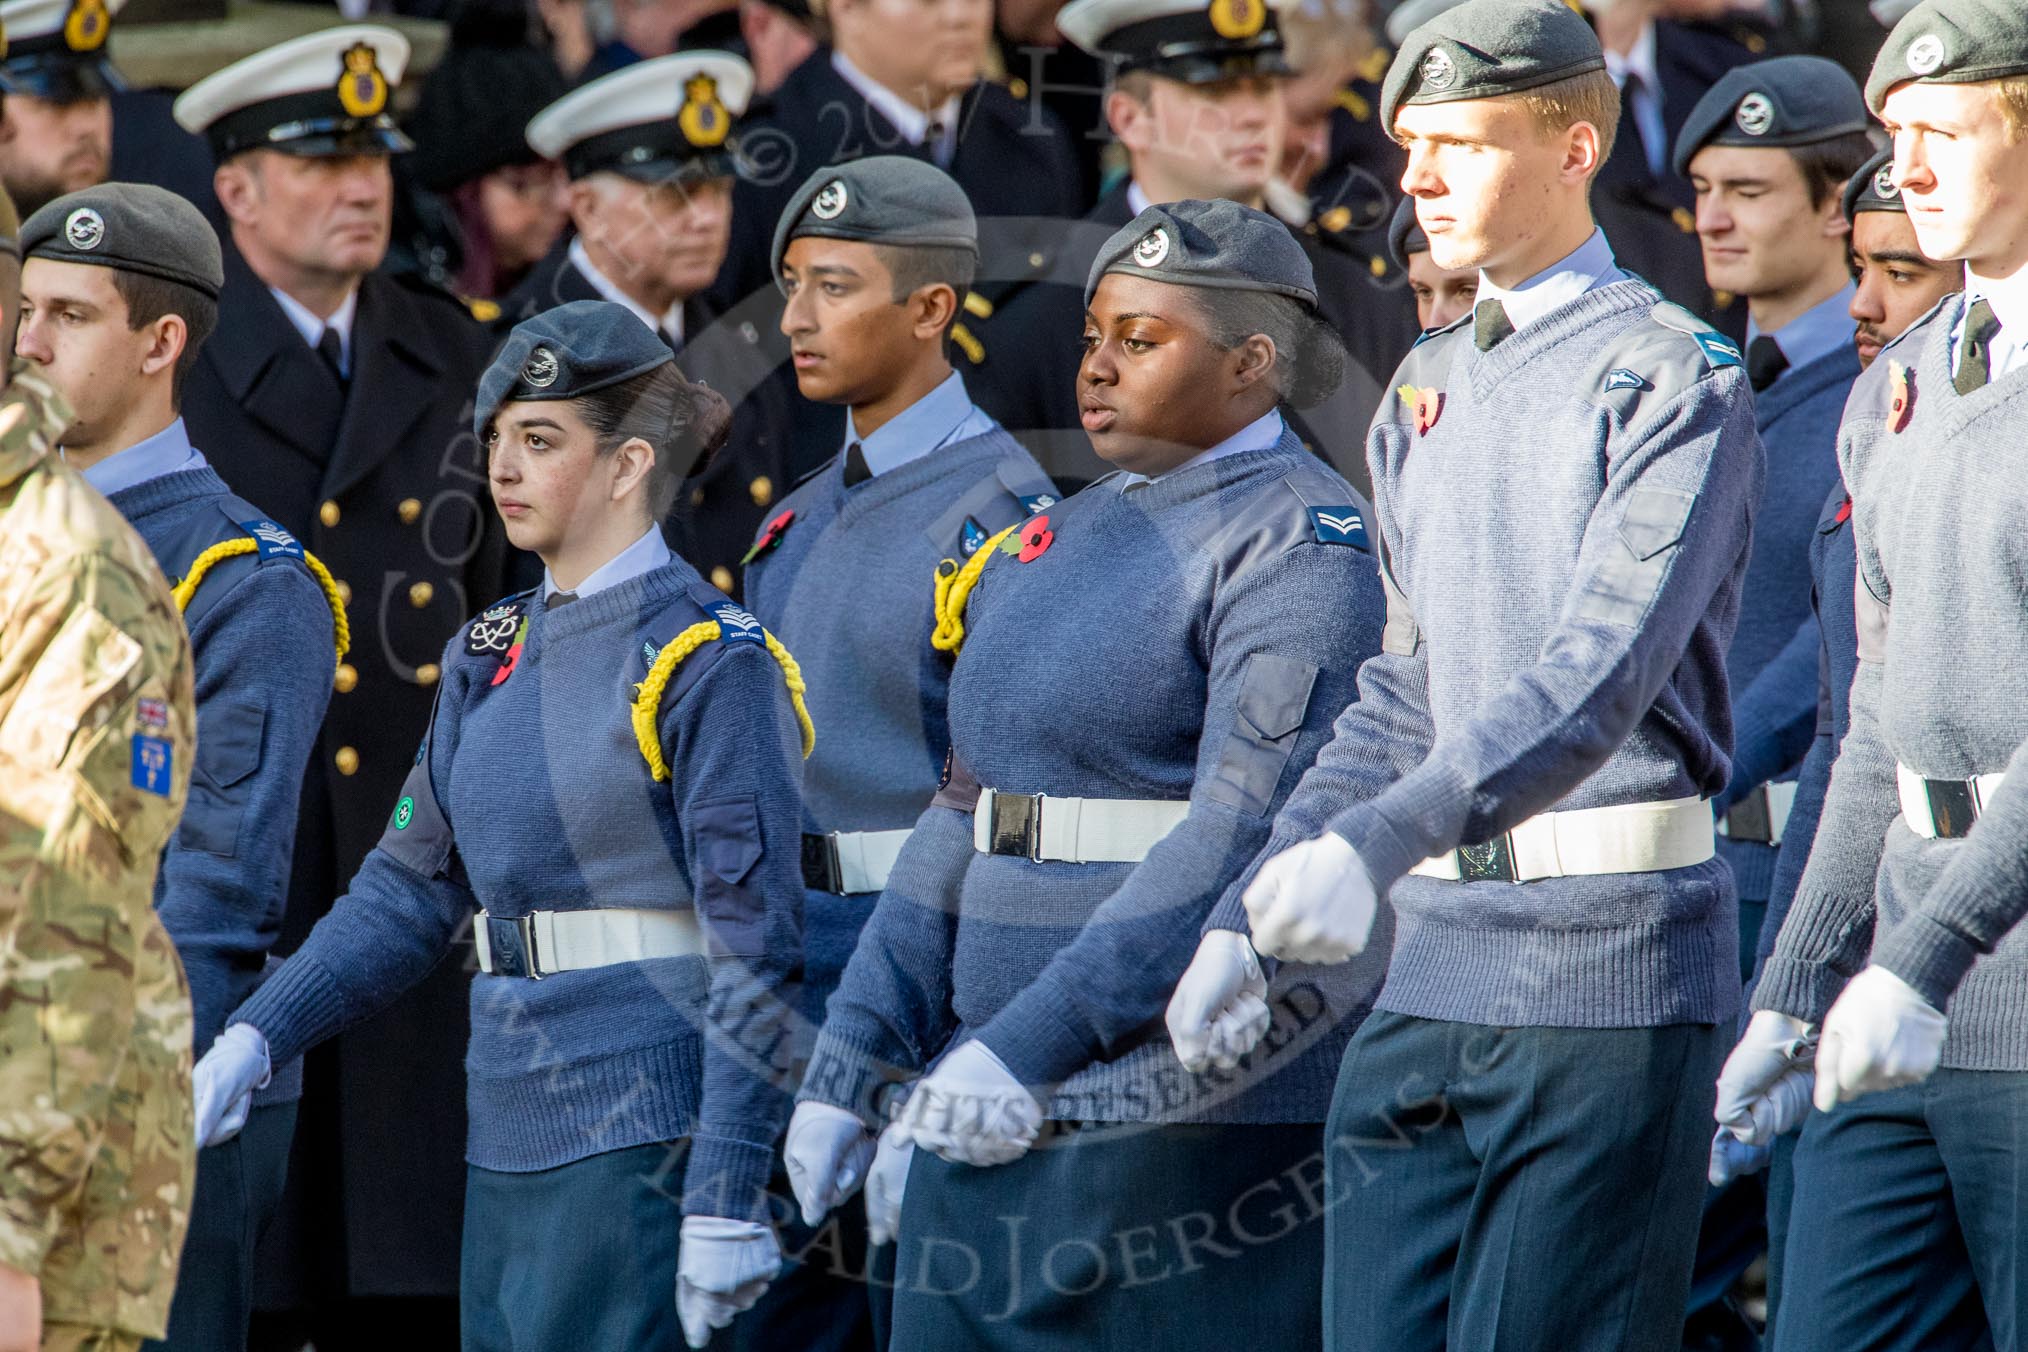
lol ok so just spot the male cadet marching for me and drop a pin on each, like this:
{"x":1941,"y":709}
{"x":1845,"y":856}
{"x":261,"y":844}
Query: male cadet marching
{"x":651,"y":210}
{"x":1524,"y":772}
{"x":873,"y":257}
{"x":1908,"y":1206}
{"x":97,"y":726}
{"x":899,"y":79}
{"x":1897,"y":285}
{"x":119,"y":291}
{"x":1443,"y":296}
{"x":336,"y":397}
{"x":1198,"y":103}
{"x":1768,"y":151}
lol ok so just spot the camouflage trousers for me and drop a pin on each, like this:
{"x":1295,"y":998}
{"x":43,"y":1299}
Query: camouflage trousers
{"x":81,"y":1338}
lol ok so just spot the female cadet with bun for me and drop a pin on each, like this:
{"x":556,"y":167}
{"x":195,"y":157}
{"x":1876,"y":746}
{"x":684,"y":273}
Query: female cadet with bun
{"x":610,"y":782}
{"x":1142,"y":674}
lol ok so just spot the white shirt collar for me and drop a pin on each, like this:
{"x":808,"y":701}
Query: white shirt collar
{"x":1587,"y":268}
{"x":1258,"y":435}
{"x":671,"y":322}
{"x":912,"y":122}
{"x":945,"y":415}
{"x":312,"y":328}
{"x":643,"y":556}
{"x":1817,"y":331}
{"x":167,"y":452}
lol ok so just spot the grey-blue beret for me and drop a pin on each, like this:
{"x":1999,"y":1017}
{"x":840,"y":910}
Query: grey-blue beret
{"x":572,"y":350}
{"x":1785,"y":101}
{"x":1217,"y":244}
{"x":1483,"y":49}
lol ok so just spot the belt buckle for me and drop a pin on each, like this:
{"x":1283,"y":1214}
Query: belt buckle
{"x":821,"y":867}
{"x":512,"y":942}
{"x":1751,"y":818}
{"x":1015,"y":828}
{"x":1953,"y":806}
{"x":1492,"y":862}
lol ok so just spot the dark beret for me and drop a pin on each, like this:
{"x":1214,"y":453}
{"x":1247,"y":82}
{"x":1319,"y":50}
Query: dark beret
{"x":882,"y":199}
{"x":1785,"y":101}
{"x":135,"y":227}
{"x":1217,"y":244}
{"x":1872,"y":188}
{"x":1952,"y":42}
{"x":1483,"y":49}
{"x":1404,"y":234}
{"x":571,"y":351}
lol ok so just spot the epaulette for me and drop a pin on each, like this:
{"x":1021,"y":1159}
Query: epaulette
{"x":1309,"y":506}
{"x":1654,"y":362}
{"x":729,"y":625}
{"x":265,"y":539}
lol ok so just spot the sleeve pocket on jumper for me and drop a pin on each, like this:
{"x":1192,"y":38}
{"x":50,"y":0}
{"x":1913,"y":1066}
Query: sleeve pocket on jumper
{"x":728,"y":836}
{"x":1274,"y":698}
{"x":1650,"y":530}
{"x":229,"y":737}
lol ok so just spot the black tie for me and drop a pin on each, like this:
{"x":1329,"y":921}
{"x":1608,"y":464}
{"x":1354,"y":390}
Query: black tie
{"x":332,"y":349}
{"x":1975,"y":359}
{"x":558,"y":600}
{"x":1765,"y":362}
{"x":856,"y":469}
{"x":1490,"y":325}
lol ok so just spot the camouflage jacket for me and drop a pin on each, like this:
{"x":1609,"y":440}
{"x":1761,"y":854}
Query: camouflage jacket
{"x":97,"y":734}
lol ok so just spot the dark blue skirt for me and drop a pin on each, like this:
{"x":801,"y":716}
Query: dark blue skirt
{"x":1118,"y":1236}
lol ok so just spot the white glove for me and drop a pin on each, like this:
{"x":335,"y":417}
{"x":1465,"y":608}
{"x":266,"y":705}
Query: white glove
{"x":885,"y":1182}
{"x":826,"y":1152}
{"x":722,"y":1267}
{"x":1880,"y":1034}
{"x":1732,"y":1158}
{"x":971,"y":1110}
{"x":1764,"y":1089}
{"x":1313,"y":902}
{"x":224,"y":1080}
{"x":1219,"y":1009}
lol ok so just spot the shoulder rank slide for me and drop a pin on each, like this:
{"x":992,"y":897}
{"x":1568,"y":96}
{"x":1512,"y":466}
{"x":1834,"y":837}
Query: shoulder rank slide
{"x":1338,"y":526}
{"x":1719,"y":350}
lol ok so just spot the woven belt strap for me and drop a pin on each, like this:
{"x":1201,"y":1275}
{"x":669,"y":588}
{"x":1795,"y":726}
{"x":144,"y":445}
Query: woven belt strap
{"x":1762,"y":816}
{"x":1636,"y":838}
{"x":543,"y":943}
{"x":1072,"y":830}
{"x":1942,"y":809}
{"x":849,"y":862}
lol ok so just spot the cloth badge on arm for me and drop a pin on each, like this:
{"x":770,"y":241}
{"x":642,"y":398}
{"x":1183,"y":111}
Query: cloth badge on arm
{"x":1719,"y":350}
{"x":153,"y":759}
{"x":735,"y":625}
{"x":271,"y":540}
{"x":1032,"y":503}
{"x":971,"y":537}
{"x":1620,"y":378}
{"x":494,"y":630}
{"x":1338,"y":526}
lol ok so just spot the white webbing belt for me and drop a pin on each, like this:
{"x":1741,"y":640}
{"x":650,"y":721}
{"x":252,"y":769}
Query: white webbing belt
{"x":544,"y":942}
{"x":1780,"y":799}
{"x":1072,"y":830}
{"x":1636,"y":838}
{"x":856,"y":861}
{"x":1942,"y":809}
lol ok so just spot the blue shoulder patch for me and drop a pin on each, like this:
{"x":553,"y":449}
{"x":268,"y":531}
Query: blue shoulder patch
{"x":153,"y":760}
{"x":971,"y":536}
{"x":272,"y":541}
{"x":735,"y":625}
{"x":1620,"y":378}
{"x":1339,"y":526}
{"x":1032,"y":503}
{"x":1719,"y":350}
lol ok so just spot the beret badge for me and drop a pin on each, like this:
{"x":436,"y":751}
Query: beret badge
{"x":84,"y":229}
{"x":540,"y":370}
{"x":1152,"y":249}
{"x":1755,"y":114}
{"x":829,"y":203}
{"x":1926,"y":54}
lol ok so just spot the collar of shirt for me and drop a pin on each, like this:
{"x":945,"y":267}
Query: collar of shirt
{"x":1587,"y":268}
{"x":1258,"y":435}
{"x":671,"y":322}
{"x":1821,"y":329}
{"x":2009,"y":299}
{"x":643,"y":556}
{"x":312,"y":328}
{"x":944,"y":415}
{"x":912,"y":122}
{"x":1137,"y":201}
{"x":1639,"y":62}
{"x":167,"y":452}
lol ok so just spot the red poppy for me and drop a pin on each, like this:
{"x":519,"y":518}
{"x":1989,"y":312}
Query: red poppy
{"x":1036,"y":538}
{"x":1901,"y":383}
{"x":770,"y":537}
{"x":1844,"y":510}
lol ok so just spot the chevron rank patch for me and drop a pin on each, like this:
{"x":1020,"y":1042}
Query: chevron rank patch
{"x":1719,"y":350}
{"x":1339,"y":526}
{"x":735,"y":625}
{"x":271,"y":540}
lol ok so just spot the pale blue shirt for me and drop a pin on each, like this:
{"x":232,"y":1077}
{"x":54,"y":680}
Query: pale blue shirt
{"x":943,"y":416}
{"x":1816,"y":332}
{"x":167,"y":452}
{"x":312,"y":328}
{"x":1259,"y":435}
{"x":643,"y":556}
{"x":1586,"y":268}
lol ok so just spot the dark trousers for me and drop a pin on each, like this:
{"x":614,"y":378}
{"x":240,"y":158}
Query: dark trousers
{"x":1117,"y":1238}
{"x":577,"y":1257}
{"x":239,"y":1185}
{"x":1496,"y":1188}
{"x":1909,"y":1223}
